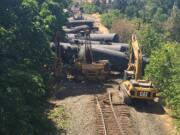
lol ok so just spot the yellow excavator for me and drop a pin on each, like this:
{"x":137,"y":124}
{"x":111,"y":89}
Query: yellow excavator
{"x":133,"y":86}
{"x":89,"y":69}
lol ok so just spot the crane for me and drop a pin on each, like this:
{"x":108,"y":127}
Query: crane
{"x":87,"y":67}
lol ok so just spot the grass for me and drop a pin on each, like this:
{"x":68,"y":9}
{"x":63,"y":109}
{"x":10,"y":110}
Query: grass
{"x":177,"y":123}
{"x":176,"y":119}
{"x":59,"y":117}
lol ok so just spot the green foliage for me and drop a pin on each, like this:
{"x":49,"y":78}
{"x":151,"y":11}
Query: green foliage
{"x":129,"y":7}
{"x":26,"y":28}
{"x":147,"y":10}
{"x":22,"y":95}
{"x":90,"y":8}
{"x":124,"y":28}
{"x":133,"y":8}
{"x":149,"y":39}
{"x":164,"y":70}
{"x":160,"y":16}
{"x":173,"y":24}
{"x":59,"y":116}
{"x":120,"y":4}
{"x":107,"y":19}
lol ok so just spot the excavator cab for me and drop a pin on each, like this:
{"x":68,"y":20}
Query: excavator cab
{"x":133,"y":86}
{"x":128,"y":75}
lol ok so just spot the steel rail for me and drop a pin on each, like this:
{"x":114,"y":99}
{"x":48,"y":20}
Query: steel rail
{"x":115,"y":116}
{"x":102,"y":117}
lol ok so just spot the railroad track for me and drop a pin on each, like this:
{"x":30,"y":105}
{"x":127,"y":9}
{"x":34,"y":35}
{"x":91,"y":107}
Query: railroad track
{"x":112,"y":119}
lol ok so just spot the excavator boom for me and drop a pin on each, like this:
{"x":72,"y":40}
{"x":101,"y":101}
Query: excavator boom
{"x":135,"y":61}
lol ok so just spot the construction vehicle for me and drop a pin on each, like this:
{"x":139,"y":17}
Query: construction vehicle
{"x":133,"y":86}
{"x":86,"y":67}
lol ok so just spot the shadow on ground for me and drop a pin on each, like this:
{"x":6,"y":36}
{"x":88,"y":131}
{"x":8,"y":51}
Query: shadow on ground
{"x":66,"y":89}
{"x":152,"y":107}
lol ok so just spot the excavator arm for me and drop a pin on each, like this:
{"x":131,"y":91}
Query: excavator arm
{"x":135,"y":59}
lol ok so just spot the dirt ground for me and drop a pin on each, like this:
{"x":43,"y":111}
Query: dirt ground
{"x":147,"y":119}
{"x":96,"y":18}
{"x":79,"y":100}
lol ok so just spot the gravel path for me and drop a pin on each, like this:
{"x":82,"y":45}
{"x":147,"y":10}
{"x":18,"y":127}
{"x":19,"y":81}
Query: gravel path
{"x":147,"y":119}
{"x":82,"y":119}
{"x":79,"y":100}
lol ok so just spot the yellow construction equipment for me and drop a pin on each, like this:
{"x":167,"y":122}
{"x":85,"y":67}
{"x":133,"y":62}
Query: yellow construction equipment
{"x":89,"y":69}
{"x":133,"y":86}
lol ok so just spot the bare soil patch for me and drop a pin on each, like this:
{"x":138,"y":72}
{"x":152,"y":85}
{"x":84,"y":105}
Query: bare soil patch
{"x":97,"y":22}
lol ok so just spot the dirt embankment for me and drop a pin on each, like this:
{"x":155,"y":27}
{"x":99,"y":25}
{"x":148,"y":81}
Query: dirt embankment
{"x":97,"y":22}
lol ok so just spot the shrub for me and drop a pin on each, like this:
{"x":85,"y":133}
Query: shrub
{"x":149,"y":39}
{"x":164,"y":70}
{"x":124,"y":28}
{"x":90,"y":8}
{"x":26,"y":28}
{"x":107,"y":19}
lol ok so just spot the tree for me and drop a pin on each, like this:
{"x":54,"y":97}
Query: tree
{"x":120,"y":5}
{"x":26,"y":28}
{"x":124,"y":28}
{"x":90,"y":8}
{"x":107,"y":19}
{"x":164,"y":70}
{"x":149,"y":39}
{"x":129,"y":7}
{"x":173,"y":24}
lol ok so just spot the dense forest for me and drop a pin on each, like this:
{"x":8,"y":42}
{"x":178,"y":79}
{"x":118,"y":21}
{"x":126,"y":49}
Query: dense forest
{"x":26,"y":28}
{"x":157,"y":24}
